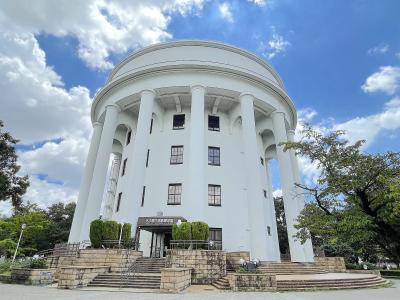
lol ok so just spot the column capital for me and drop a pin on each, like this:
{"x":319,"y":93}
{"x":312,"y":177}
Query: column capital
{"x":197,"y":86}
{"x":97,"y":124}
{"x":291,"y":132}
{"x":113,"y":106}
{"x":148,"y":92}
{"x":246,"y":94}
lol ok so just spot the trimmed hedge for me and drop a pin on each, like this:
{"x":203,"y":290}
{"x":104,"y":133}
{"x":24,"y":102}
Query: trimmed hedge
{"x":126,"y":232}
{"x":96,"y":233}
{"x":200,"y":231}
{"x":391,"y":273}
{"x":110,"y":230}
{"x":190,"y":231}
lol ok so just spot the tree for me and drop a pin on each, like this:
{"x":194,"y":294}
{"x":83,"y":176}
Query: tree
{"x":12,"y":186}
{"x":356,"y":195}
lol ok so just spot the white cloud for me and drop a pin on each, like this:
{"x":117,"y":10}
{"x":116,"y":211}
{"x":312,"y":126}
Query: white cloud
{"x":258,"y":2}
{"x":277,"y":44}
{"x":277,"y":193}
{"x":380,"y":49}
{"x":225,"y":11}
{"x":386,"y":80}
{"x":102,"y":27}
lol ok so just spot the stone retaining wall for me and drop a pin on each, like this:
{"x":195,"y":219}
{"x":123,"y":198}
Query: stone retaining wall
{"x":175,"y":279}
{"x":207,"y":265}
{"x":233,"y":258}
{"x":32,"y":276}
{"x":252,"y":282}
{"x":331,"y":264}
{"x":78,"y":276}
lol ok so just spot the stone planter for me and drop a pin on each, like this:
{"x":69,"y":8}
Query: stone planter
{"x":252,"y":282}
{"x":206,"y":265}
{"x":175,"y":279}
{"x":32,"y":276}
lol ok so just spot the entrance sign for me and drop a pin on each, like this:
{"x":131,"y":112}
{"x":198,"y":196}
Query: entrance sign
{"x":158,"y":221}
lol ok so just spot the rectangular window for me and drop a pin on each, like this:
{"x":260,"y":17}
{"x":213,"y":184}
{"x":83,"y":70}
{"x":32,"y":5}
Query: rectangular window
{"x":124,"y":167}
{"x":213,"y":123}
{"x":214,"y":156}
{"x":176,"y":155}
{"x":128,"y":137}
{"x":262,"y":160}
{"x":214,"y":195}
{"x":143,"y":194}
{"x":147,"y":159}
{"x":119,"y":201}
{"x":215,"y":235}
{"x":179,"y":121}
{"x":269,"y":230}
{"x":265,"y":193}
{"x":174,"y":193}
{"x":151,"y":126}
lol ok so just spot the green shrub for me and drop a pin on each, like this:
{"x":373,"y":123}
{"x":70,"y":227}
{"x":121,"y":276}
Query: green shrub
{"x":126,"y":233}
{"x":176,"y":233}
{"x":110,"y":230}
{"x":96,"y":232}
{"x":199,"y":231}
{"x":38,"y":263}
{"x":391,"y":273}
{"x":7,"y":247}
{"x":182,"y":232}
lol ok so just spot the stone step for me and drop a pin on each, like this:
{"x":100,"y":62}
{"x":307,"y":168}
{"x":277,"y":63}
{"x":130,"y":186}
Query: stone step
{"x":328,"y":282}
{"x":222,"y":284}
{"x":126,"y":285}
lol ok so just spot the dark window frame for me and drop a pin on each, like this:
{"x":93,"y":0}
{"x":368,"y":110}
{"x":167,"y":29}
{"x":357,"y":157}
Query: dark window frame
{"x":265,"y":193}
{"x":174,"y":198}
{"x":215,"y":234}
{"x":215,"y":120}
{"x":214,"y":198}
{"x":151,"y":125}
{"x":128,"y":137}
{"x":177,"y":157}
{"x":174,"y":121}
{"x":262,"y":160}
{"x":143,"y":195}
{"x":124,"y":166}
{"x":147,"y":158}
{"x":119,"y":201}
{"x":269,"y":230}
{"x":215,"y":159}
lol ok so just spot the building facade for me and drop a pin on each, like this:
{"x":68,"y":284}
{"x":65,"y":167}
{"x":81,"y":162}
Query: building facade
{"x":191,"y":128}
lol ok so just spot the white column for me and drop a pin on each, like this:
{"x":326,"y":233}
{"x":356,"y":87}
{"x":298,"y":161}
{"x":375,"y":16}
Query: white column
{"x":92,"y":210}
{"x":288,"y":187}
{"x":274,"y":229}
{"x":136,"y":164}
{"x":307,"y":246}
{"x":74,"y":235}
{"x":197,"y":186}
{"x":108,"y":209}
{"x":255,"y":197}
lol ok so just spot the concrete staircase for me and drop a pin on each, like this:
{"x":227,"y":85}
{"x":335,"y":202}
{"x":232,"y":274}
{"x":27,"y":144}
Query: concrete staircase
{"x":290,"y":268}
{"x":147,"y":275}
{"x":330,"y":284}
{"x":222,"y":284}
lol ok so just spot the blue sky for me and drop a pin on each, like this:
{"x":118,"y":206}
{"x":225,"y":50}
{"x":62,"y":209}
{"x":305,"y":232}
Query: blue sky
{"x":339,"y":60}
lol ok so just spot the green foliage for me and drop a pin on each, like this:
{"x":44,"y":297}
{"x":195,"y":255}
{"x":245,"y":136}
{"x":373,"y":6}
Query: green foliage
{"x":126,"y":232}
{"x":391,"y":273}
{"x":182,"y":232}
{"x":355,"y":201}
{"x":37,"y":263}
{"x":12,"y":186}
{"x":7,"y":247}
{"x":110,"y":230}
{"x":200,"y":231}
{"x":281,"y":226}
{"x":96,"y":232}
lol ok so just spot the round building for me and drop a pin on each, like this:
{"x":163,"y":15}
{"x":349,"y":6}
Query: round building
{"x":190,"y":127}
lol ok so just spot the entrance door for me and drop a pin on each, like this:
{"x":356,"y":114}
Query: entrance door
{"x":167,"y":240}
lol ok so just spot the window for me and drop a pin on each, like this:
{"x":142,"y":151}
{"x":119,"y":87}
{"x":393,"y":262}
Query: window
{"x":215,"y":235}
{"x":265,"y":193}
{"x":147,"y":159}
{"x":179,"y":122}
{"x":124,"y":167}
{"x":176,"y":155}
{"x":128,"y":137}
{"x":269,"y":230}
{"x":151,"y":126}
{"x":174,"y":194}
{"x":213,"y":156}
{"x":214,"y":195}
{"x":262,"y":160}
{"x":119,"y":201}
{"x":213,"y":123}
{"x":143,"y":194}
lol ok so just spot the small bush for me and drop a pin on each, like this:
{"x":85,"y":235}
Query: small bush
{"x":126,"y":233}
{"x":38,"y":263}
{"x":96,"y":232}
{"x":199,"y":231}
{"x":391,"y":273}
{"x":110,"y":230}
{"x":186,"y":231}
{"x":7,"y":247}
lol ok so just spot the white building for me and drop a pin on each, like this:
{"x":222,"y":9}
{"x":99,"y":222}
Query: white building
{"x":191,"y":127}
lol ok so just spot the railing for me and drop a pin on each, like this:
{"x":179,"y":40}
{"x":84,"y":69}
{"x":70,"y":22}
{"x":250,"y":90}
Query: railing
{"x":129,"y":244}
{"x":196,"y":245}
{"x":62,"y":249}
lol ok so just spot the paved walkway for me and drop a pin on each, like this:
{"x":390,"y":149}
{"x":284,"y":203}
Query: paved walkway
{"x":21,"y":292}
{"x":324,"y":276}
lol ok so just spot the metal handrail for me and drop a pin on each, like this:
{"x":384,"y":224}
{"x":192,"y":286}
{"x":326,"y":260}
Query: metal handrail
{"x":196,"y":245}
{"x":127,"y":244}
